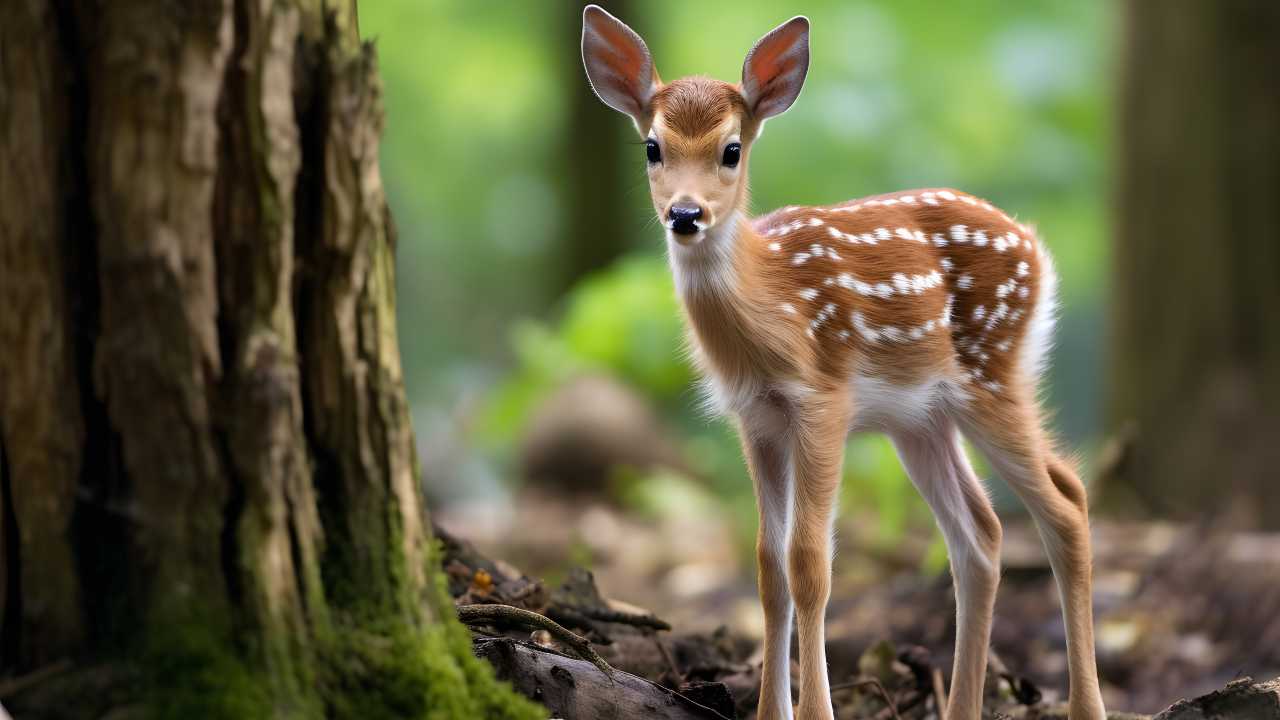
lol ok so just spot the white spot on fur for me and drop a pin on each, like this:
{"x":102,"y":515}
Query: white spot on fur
{"x":1001,"y":311}
{"x":864,"y":329}
{"x":808,"y":293}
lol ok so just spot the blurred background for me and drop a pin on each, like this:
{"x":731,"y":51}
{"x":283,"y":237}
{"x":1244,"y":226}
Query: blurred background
{"x":559,"y":421}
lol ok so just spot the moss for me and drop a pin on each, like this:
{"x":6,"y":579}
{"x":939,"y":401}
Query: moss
{"x":490,"y":697}
{"x":399,"y":670}
{"x":394,"y":670}
{"x":194,"y":673}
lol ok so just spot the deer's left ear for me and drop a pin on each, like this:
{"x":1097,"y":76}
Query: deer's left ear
{"x":775,"y":68}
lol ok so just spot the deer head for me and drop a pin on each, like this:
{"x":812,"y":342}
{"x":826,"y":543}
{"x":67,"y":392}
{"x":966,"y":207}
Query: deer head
{"x":698,"y":131}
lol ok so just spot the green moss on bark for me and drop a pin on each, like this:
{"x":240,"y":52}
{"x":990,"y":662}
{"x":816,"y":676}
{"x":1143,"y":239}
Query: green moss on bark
{"x":192,"y":670}
{"x":408,"y":671}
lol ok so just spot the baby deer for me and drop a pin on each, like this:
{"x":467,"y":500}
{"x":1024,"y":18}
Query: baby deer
{"x":924,"y":314}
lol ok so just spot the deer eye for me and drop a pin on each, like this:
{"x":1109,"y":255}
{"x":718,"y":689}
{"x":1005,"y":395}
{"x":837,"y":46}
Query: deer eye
{"x":732,"y":154}
{"x":651,"y":151}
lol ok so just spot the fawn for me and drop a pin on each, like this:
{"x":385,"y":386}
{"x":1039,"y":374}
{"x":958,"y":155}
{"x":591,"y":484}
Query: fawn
{"x":924,"y":314}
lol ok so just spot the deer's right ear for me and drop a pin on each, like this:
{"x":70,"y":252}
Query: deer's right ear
{"x":618,"y":64}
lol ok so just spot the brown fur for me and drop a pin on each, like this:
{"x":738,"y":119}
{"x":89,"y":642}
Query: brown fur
{"x":693,"y":104}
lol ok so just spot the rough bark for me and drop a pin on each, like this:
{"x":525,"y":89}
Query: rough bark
{"x":41,"y":421}
{"x":1241,"y":698}
{"x":209,"y":489}
{"x":1196,"y":367}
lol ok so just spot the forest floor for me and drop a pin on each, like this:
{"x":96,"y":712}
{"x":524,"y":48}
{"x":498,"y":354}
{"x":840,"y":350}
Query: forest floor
{"x":1179,"y":613}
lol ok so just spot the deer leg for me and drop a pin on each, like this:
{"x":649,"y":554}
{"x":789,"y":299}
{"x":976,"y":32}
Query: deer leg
{"x":818,"y":454}
{"x":935,"y":460}
{"x":771,"y":476}
{"x":1013,"y":440}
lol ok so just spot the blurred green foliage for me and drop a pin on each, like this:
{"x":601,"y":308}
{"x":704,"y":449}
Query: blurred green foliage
{"x":1005,"y":100}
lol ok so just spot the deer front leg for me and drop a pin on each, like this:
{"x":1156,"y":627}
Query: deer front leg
{"x":818,"y":454}
{"x":771,"y":476}
{"x":934,"y":458}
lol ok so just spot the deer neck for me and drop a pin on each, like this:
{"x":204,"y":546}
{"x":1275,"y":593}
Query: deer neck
{"x":715,"y":284}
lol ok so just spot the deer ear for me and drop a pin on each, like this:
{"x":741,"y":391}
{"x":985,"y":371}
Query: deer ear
{"x":618,"y":64}
{"x":775,"y":68}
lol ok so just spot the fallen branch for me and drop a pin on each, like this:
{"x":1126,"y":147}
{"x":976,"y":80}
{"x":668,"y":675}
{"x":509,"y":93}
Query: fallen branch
{"x":572,"y":692}
{"x":889,"y":702}
{"x":645,"y":620}
{"x":13,"y":686}
{"x":508,"y":615}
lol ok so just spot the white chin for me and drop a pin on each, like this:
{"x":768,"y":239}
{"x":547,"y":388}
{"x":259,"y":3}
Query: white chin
{"x":689,"y":240}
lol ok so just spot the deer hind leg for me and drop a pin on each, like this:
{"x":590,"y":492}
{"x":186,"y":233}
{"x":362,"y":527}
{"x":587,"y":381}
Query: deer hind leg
{"x":820,"y":430}
{"x":771,"y":475}
{"x":936,"y":462}
{"x":1011,"y":436}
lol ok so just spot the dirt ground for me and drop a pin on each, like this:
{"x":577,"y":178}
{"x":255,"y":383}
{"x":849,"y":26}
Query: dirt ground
{"x":1178,"y":612}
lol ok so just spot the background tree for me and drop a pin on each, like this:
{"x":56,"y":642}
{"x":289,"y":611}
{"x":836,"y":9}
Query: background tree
{"x":210,"y":490}
{"x":1196,"y":379}
{"x":602,"y":216}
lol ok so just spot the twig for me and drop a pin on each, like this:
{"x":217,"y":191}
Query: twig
{"x":624,"y":618}
{"x":884,"y":694}
{"x":15,"y":685}
{"x":487,"y":614}
{"x":570,"y":617}
{"x":662,"y":648}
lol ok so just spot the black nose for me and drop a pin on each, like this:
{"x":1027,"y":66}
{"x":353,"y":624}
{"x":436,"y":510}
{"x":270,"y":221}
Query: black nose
{"x":682,"y":215}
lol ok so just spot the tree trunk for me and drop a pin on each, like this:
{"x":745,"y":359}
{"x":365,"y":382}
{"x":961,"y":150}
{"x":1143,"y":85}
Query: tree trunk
{"x":601,"y":214}
{"x":1196,"y":381}
{"x":210,"y":496}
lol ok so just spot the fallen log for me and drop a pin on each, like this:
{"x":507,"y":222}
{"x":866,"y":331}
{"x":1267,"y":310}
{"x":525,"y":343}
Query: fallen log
{"x":575,"y":689}
{"x":1241,"y":699}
